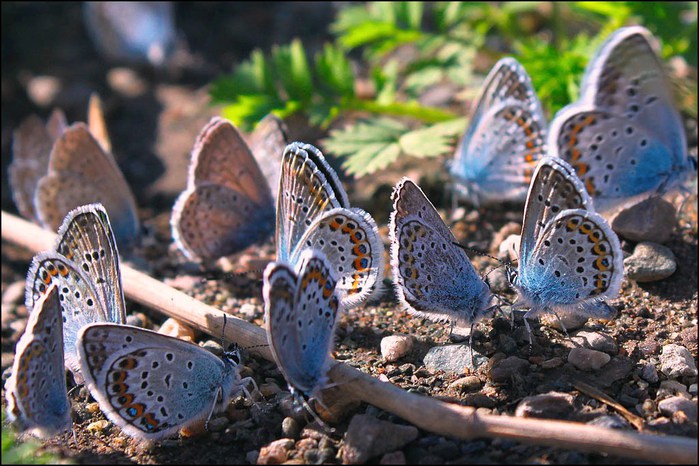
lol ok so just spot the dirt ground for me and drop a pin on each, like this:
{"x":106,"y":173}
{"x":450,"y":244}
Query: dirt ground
{"x":153,"y":119}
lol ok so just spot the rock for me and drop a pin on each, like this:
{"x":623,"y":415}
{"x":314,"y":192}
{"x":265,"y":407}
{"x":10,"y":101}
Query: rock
{"x":617,"y":369}
{"x":610,"y":421}
{"x":452,"y":359}
{"x":269,"y":389}
{"x":670,"y":406}
{"x":395,"y":457}
{"x":653,"y":219}
{"x":596,"y":341}
{"x":587,"y":359}
{"x":553,"y":405}
{"x":507,"y":368}
{"x":395,"y":347}
{"x":43,"y":90}
{"x":218,"y":424}
{"x":507,"y":231}
{"x":98,"y":426}
{"x":466,"y":384}
{"x":276,"y":452}
{"x":213,"y":347}
{"x":676,"y":361}
{"x":649,"y":373}
{"x":497,"y":279}
{"x":337,"y":404}
{"x":177,"y":329}
{"x":368,"y":437}
{"x":552,"y":363}
{"x":509,"y":248}
{"x":570,"y":322}
{"x":13,"y":295}
{"x":650,"y":262}
{"x":290,"y":428}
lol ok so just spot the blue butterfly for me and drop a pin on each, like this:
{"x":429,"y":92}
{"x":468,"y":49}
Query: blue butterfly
{"x":624,"y":136}
{"x":504,"y":140}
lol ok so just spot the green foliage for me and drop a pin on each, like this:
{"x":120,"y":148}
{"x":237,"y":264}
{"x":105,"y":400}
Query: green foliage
{"x":16,"y":452}
{"x":409,"y":47}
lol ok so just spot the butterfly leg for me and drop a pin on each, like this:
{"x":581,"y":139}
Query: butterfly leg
{"x":560,"y":322}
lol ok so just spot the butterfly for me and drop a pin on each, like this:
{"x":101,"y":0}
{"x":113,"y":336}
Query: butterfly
{"x":228,"y":204}
{"x":570,"y":260}
{"x":84,"y":265}
{"x":504,"y":140}
{"x":313,"y":211}
{"x":136,"y":32}
{"x":624,"y":136}
{"x":301,"y":310}
{"x":36,"y":390}
{"x":152,"y":385}
{"x":77,"y":169}
{"x":434,"y":277}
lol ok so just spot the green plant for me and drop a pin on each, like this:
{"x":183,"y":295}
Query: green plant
{"x":23,"y":452}
{"x":408,"y":47}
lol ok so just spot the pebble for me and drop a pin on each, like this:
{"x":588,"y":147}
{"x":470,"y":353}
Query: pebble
{"x":251,"y":456}
{"x":290,"y":428}
{"x":466,"y":384}
{"x":553,"y":405}
{"x":509,"y":229}
{"x":509,"y":248}
{"x":671,"y":388}
{"x":649,"y":373}
{"x":587,"y":359}
{"x":395,"y":347}
{"x":13,"y":295}
{"x":126,"y":82}
{"x":452,"y":359}
{"x":213,"y":347}
{"x":507,"y":368}
{"x":43,"y":90}
{"x":276,"y":452}
{"x":137,"y":320}
{"x":218,"y":424}
{"x":368,"y":437}
{"x":93,"y":408}
{"x":177,"y":329}
{"x":552,"y":363}
{"x":570,"y":321}
{"x":617,"y":369}
{"x":676,"y":361}
{"x":97,"y":426}
{"x":650,"y":262}
{"x":653,"y":219}
{"x":670,"y":406}
{"x":497,"y":279}
{"x":395,"y":457}
{"x":596,"y":341}
{"x":610,"y":421}
{"x":269,"y":389}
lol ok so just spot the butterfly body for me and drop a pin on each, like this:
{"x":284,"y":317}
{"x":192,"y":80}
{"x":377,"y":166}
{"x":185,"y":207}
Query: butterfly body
{"x":624,"y":136}
{"x":152,"y":385}
{"x":505,"y":138}
{"x":36,"y":390}
{"x":570,"y":260}
{"x":434,"y":278}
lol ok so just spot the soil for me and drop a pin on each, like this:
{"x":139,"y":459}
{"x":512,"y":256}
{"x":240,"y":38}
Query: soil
{"x":153,"y":119}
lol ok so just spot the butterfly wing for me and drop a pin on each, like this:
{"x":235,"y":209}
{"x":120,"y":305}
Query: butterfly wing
{"x":434,"y":277}
{"x":86,"y":238}
{"x":80,"y":173}
{"x":267,"y":143}
{"x":227,"y":205}
{"x":80,"y":302}
{"x":349,"y":239}
{"x":554,"y":188}
{"x":308,"y":187}
{"x":504,"y":140}
{"x":301,"y":312}
{"x":577,"y":260}
{"x":151,"y":385}
{"x":36,"y":390}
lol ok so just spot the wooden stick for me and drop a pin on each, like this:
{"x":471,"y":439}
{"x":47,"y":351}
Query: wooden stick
{"x":447,"y":419}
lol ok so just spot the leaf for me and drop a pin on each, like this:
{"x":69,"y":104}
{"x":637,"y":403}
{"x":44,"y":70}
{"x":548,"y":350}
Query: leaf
{"x":334,"y":71}
{"x":433,"y":141}
{"x":291,"y":67}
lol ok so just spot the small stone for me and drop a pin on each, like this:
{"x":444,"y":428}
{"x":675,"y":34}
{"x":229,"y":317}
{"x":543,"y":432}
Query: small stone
{"x":617,"y":369}
{"x":368,"y":437}
{"x":676,"y":361}
{"x":670,"y":406}
{"x":587,"y":359}
{"x":693,"y":389}
{"x":218,"y":424}
{"x":596,"y":341}
{"x":42,"y":90}
{"x":553,"y":405}
{"x":98,"y":426}
{"x":653,"y":219}
{"x":610,"y":421}
{"x":508,"y":368}
{"x":290,"y":428}
{"x":213,"y":347}
{"x":276,"y":452}
{"x":93,"y":408}
{"x":509,"y":248}
{"x":337,"y":404}
{"x":395,"y":457}
{"x":135,"y":320}
{"x":497,"y":279}
{"x":395,"y":347}
{"x":552,"y":363}
{"x":649,"y":373}
{"x":251,"y":456}
{"x":177,"y":329}
{"x":452,"y":359}
{"x":269,"y":389}
{"x":126,"y":82}
{"x":503,"y":234}
{"x":13,"y":295}
{"x":248,"y":311}
{"x":571,"y":321}
{"x":466,"y":384}
{"x":650,"y":262}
